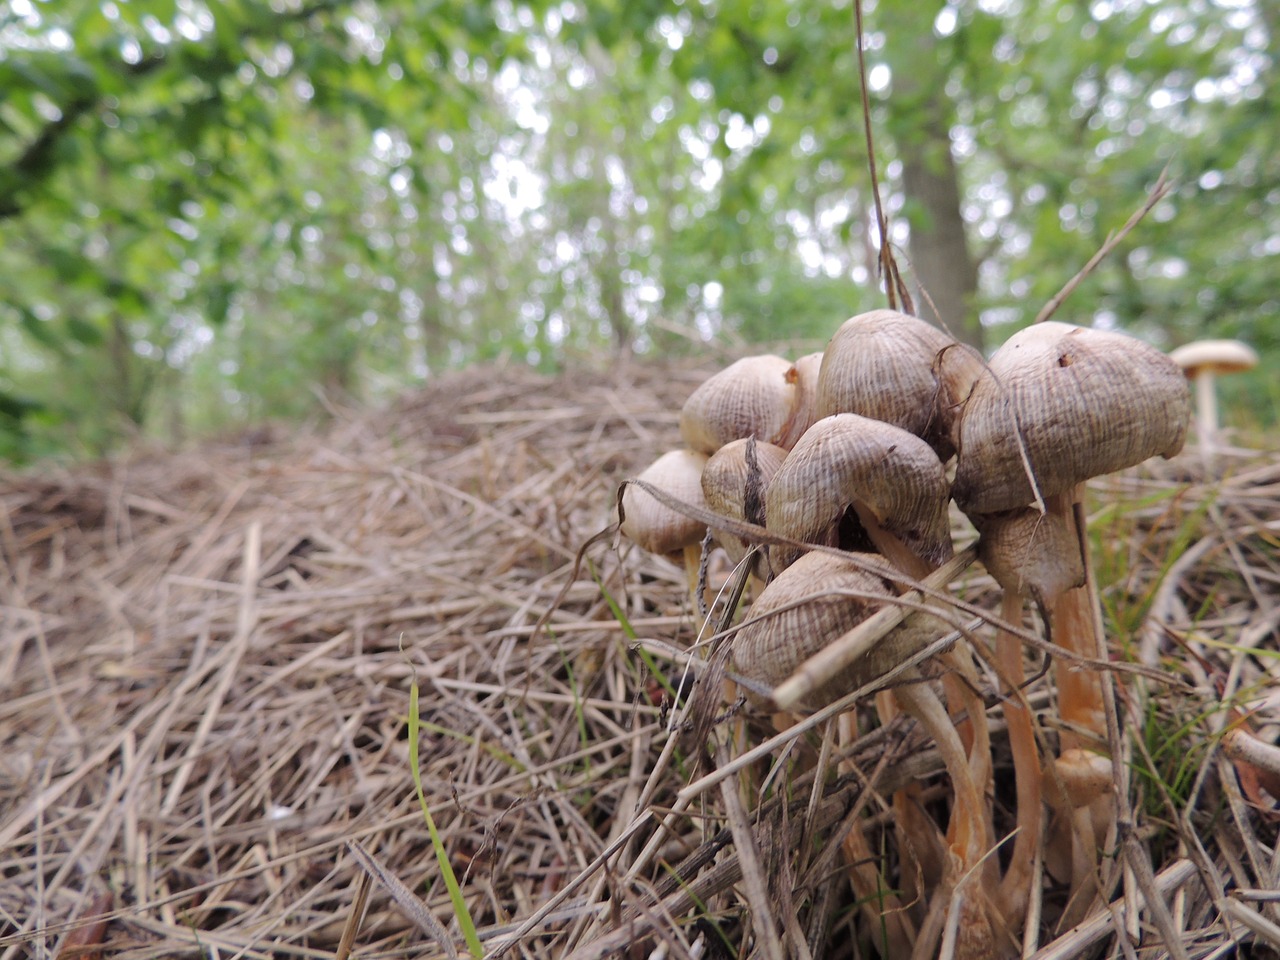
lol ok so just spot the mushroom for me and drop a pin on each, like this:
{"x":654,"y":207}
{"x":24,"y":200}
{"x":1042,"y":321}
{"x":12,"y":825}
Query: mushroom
{"x":1201,"y":361}
{"x":1056,"y":406}
{"x":654,"y":526}
{"x":752,"y":397}
{"x":820,"y":597}
{"x":1060,"y":404}
{"x":733,"y":484}
{"x":894,"y":367}
{"x":814,"y":600}
{"x":859,"y":483}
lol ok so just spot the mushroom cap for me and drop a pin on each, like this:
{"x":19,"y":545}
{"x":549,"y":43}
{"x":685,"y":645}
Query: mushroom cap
{"x":804,"y":375}
{"x":897,"y":368}
{"x":752,"y":397}
{"x":731,"y":487}
{"x":1083,"y":403}
{"x":774,"y":641}
{"x":846,"y":462}
{"x":654,"y":526}
{"x":1215,"y":356}
{"x":1029,"y":552}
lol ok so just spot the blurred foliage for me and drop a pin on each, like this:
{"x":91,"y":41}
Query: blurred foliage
{"x":212,"y":214}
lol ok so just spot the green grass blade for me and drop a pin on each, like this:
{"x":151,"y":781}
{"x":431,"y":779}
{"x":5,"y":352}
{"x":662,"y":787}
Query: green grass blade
{"x":442,"y":856}
{"x":630,"y":633}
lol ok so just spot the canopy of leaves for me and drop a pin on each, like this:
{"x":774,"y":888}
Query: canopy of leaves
{"x":216,"y":213}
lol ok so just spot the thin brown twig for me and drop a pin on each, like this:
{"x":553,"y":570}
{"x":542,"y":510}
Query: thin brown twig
{"x":1158,"y":192}
{"x":895,"y":289}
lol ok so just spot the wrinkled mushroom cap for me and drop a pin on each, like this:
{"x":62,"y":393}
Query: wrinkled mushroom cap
{"x":1083,"y":402}
{"x":1215,"y":356}
{"x":733,"y":487}
{"x":654,"y":526}
{"x":897,"y":368}
{"x":774,"y":640}
{"x":847,"y":462}
{"x":752,"y":397}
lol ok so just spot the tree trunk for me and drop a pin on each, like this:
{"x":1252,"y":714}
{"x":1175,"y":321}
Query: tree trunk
{"x":920,"y":120}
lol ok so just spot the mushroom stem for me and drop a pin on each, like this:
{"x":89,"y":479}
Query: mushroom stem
{"x":1081,"y":704}
{"x":1206,"y":409}
{"x":1015,"y":888}
{"x":920,"y":844}
{"x":966,"y":831}
{"x":693,"y":577}
{"x":1080,"y":701}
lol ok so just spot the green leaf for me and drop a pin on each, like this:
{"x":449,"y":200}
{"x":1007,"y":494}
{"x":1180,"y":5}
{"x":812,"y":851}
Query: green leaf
{"x":84,"y":332}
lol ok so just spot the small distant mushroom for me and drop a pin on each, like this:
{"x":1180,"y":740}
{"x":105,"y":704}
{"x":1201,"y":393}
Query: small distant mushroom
{"x":1201,"y":361}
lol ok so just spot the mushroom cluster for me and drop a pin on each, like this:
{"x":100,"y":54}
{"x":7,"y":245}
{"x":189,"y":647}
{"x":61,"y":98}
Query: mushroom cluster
{"x":850,"y":460}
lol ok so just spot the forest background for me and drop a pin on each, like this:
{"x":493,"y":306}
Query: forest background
{"x":216,"y":214}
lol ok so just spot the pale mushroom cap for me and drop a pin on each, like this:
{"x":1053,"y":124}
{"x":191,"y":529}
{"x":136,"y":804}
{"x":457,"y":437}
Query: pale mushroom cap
{"x":804,"y":374}
{"x":732,"y":489}
{"x":727,"y":476}
{"x":1215,"y":356}
{"x":1083,"y":403}
{"x":654,"y":526}
{"x":846,"y":459}
{"x":897,"y":368}
{"x":752,"y":397}
{"x":770,"y":645}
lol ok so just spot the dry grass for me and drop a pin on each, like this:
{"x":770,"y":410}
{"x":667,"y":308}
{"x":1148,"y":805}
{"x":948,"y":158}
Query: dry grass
{"x":206,"y":660}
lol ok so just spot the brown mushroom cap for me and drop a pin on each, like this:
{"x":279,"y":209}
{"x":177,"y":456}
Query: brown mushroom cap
{"x":1214,"y":356}
{"x":849,"y":470}
{"x":734,"y":489}
{"x":752,"y":397}
{"x":894,"y":367}
{"x":1083,"y":402}
{"x":774,"y":641}
{"x":654,"y":526}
